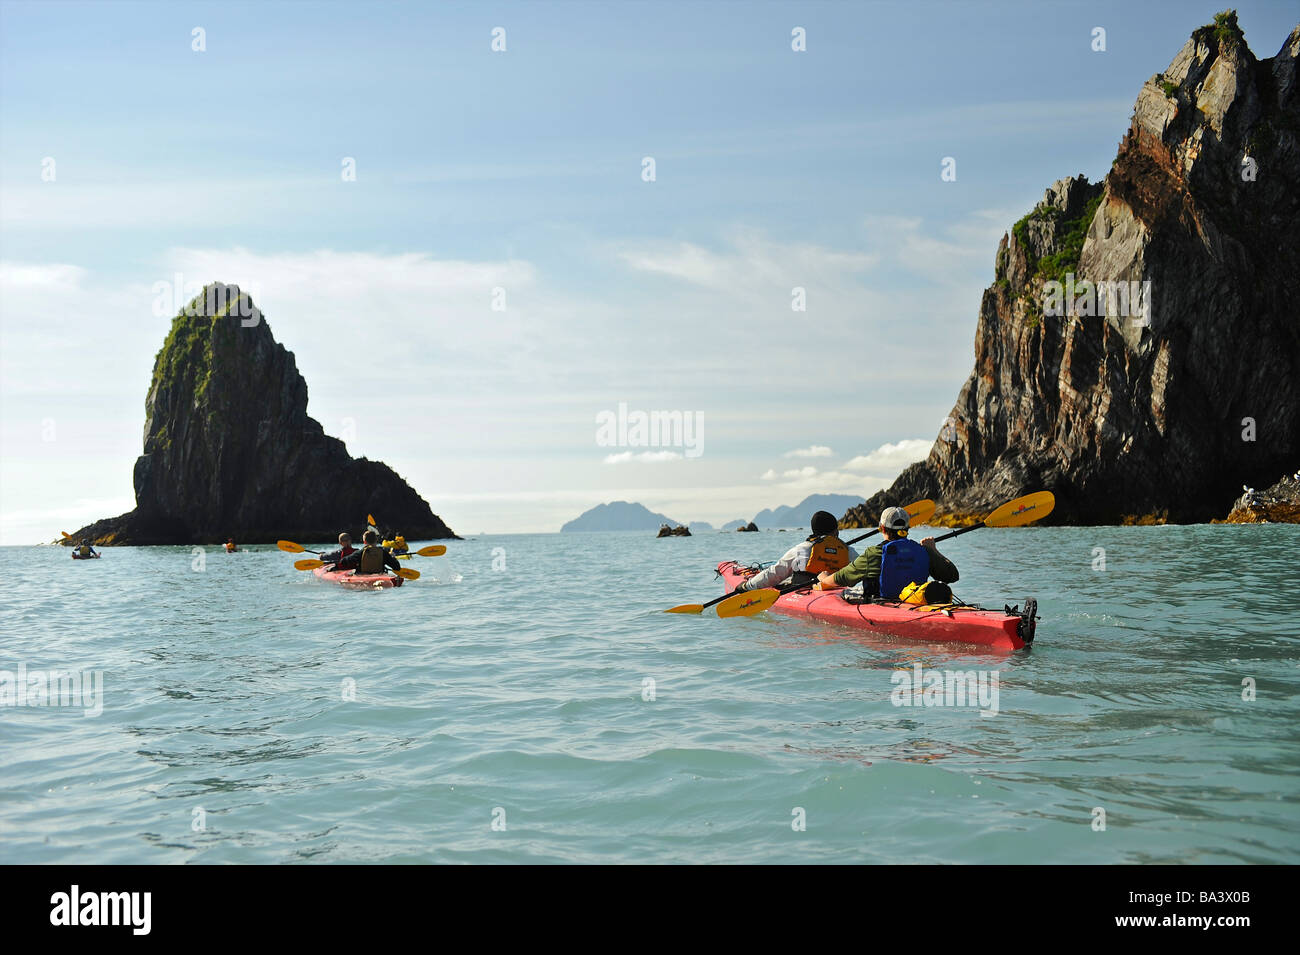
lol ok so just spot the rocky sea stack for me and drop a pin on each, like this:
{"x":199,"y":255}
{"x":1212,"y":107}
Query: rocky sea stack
{"x":1158,"y":394}
{"x":229,"y":450}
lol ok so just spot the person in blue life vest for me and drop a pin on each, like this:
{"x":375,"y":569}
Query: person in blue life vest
{"x":822,"y":551}
{"x":886,"y":569}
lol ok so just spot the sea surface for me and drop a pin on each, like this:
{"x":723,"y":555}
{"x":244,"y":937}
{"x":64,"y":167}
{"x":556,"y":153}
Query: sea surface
{"x":525,"y":701}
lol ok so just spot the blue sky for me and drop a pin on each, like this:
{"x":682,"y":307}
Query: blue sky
{"x":522,"y":170}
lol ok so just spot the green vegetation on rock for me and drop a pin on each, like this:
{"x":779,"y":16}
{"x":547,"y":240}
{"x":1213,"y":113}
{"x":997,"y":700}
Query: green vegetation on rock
{"x":188,"y":346}
{"x":1075,"y":232}
{"x":1224,"y":29}
{"x":1066,"y":259}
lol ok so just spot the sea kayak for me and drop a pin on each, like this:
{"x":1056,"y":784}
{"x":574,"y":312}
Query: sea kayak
{"x":353,"y":581}
{"x":996,"y":629}
{"x":85,"y":557}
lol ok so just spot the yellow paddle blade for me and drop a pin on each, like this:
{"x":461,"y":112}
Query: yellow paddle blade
{"x":748,"y":602}
{"x":65,"y":533}
{"x":1023,"y":510}
{"x":308,"y":564}
{"x":289,"y":547}
{"x":370,"y":520}
{"x":686,"y":608}
{"x":919,"y":512}
{"x":407,"y":573}
{"x":433,"y":550}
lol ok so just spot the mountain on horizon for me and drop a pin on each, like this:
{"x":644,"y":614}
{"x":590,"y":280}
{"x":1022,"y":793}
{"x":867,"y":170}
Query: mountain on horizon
{"x":618,"y":516}
{"x":801,"y":514}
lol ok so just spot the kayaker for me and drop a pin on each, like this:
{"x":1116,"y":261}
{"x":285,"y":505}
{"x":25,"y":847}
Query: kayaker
{"x":822,"y":551}
{"x":885,"y":569}
{"x":371,"y":558}
{"x":85,"y":550}
{"x":345,"y":550}
{"x":399,"y":544}
{"x":230,"y":545}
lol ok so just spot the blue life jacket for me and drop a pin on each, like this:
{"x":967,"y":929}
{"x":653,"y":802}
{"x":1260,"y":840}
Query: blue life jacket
{"x":902,"y":562}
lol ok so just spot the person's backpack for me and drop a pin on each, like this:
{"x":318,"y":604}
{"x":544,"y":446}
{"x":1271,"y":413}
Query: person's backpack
{"x":902,"y":562}
{"x":930,"y":592}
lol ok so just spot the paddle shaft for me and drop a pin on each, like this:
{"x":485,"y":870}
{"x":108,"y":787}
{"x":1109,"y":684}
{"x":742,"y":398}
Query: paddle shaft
{"x":718,"y":600}
{"x":917,"y":511}
{"x":960,"y":531}
{"x":864,"y":536}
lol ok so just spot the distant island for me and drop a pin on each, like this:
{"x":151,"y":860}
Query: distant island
{"x":618,"y":516}
{"x":626,"y":516}
{"x":801,"y":514}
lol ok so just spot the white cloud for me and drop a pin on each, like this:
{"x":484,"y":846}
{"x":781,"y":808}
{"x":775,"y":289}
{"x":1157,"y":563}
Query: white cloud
{"x":769,"y":475}
{"x":646,"y":457}
{"x":816,"y":451}
{"x":751,"y":263}
{"x":17,"y":275}
{"x":891,"y":458}
{"x":942,"y":255}
{"x":811,"y":481}
{"x":328,"y":273}
{"x":334,"y":309}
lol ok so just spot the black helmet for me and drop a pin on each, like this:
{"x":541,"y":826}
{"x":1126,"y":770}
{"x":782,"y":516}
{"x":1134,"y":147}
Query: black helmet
{"x":824,"y":522}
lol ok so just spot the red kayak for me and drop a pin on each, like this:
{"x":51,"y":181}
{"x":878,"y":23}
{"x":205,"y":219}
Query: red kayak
{"x":354,"y":581}
{"x":997,"y":629}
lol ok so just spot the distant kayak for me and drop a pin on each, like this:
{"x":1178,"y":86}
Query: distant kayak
{"x":996,"y":629}
{"x":350,"y":581}
{"x":85,"y":557}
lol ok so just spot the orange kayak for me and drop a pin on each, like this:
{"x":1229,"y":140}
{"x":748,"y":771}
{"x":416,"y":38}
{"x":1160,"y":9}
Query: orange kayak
{"x":353,"y":581}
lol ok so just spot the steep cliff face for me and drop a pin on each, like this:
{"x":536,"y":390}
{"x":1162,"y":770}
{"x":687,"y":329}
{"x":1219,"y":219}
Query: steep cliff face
{"x":1162,"y":371}
{"x":229,"y":449}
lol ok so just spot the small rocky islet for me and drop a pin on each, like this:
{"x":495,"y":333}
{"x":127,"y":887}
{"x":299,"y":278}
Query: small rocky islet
{"x":230,"y":451}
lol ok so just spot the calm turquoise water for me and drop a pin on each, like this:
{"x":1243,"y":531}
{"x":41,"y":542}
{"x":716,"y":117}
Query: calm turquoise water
{"x":516,"y":693}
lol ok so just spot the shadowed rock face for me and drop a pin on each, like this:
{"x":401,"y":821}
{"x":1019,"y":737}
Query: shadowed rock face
{"x":229,"y":450}
{"x":1143,"y":413}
